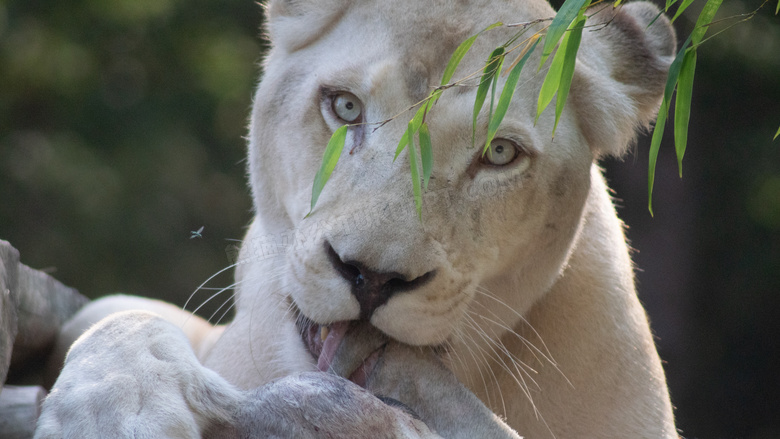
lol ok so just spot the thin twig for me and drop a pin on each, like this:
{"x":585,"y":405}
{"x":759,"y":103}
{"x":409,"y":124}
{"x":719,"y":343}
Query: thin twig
{"x":525,"y":24}
{"x":744,"y":17}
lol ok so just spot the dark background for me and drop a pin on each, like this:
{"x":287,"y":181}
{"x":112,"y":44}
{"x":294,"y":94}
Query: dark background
{"x":121,"y":130}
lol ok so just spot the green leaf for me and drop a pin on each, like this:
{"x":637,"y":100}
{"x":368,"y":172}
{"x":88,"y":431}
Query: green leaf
{"x":777,"y":11}
{"x":506,"y":96}
{"x":572,"y":43}
{"x":655,"y":145}
{"x":415,"y":173}
{"x":460,"y":52}
{"x":674,"y":72}
{"x":552,"y":80}
{"x":493,"y":87}
{"x":402,"y":144}
{"x":420,"y":115}
{"x":568,"y":12}
{"x":704,"y":20}
{"x":682,"y":106}
{"x":663,"y":113}
{"x":329,"y":160}
{"x":426,"y":154}
{"x":495,"y":59}
{"x":682,"y":9}
{"x":415,"y":124}
{"x":777,"y":134}
{"x":669,"y":4}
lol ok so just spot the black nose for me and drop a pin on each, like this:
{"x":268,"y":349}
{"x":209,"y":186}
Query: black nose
{"x":372,"y":289}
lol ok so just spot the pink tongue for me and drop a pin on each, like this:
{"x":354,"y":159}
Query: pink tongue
{"x":331,"y":343}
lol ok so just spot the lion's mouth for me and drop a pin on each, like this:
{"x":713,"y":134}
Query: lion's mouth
{"x":339,"y":349}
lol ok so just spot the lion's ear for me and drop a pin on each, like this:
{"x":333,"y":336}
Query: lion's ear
{"x":621,"y":73}
{"x":294,"y":24}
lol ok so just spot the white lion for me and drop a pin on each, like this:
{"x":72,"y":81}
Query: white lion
{"x":518,"y":271}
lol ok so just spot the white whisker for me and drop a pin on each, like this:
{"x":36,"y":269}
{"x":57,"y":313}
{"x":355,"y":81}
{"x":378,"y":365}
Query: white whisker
{"x":487,"y":293}
{"x":453,"y":354}
{"x":465,"y":343}
{"x":225,"y":302}
{"x":207,"y":281}
{"x":213,"y":296}
{"x":495,"y":356}
{"x":518,"y":378}
{"x":210,"y":298}
{"x":519,"y":366}
{"x":227,"y":310}
{"x":503,"y":347}
{"x":546,"y":354}
{"x":527,"y":343}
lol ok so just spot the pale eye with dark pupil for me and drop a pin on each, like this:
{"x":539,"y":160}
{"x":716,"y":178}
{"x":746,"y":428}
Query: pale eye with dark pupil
{"x":347,"y":107}
{"x":501,"y":152}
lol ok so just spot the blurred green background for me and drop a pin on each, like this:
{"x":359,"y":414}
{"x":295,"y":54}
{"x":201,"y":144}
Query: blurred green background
{"x":121,"y":130}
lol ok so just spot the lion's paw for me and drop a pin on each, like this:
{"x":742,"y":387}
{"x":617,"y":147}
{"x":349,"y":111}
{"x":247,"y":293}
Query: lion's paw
{"x":135,"y":375}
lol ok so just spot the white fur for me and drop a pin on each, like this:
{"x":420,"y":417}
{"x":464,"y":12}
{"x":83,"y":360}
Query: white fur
{"x":534,"y":290}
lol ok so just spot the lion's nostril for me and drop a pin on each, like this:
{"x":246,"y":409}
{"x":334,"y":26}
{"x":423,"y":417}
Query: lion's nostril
{"x":348,"y":271}
{"x":372,"y":289}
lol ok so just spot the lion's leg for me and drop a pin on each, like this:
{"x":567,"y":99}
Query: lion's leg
{"x":198,"y":331}
{"x":134,"y":374}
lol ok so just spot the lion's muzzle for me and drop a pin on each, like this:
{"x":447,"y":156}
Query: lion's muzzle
{"x":373,"y":289}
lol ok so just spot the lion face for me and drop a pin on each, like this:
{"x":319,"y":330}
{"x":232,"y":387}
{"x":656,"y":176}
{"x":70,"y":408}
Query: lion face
{"x":496,"y":229}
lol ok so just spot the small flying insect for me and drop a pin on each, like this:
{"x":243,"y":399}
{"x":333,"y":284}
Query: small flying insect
{"x":198,"y":234}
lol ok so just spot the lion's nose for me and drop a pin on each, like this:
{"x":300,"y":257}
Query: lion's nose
{"x":372,"y":289}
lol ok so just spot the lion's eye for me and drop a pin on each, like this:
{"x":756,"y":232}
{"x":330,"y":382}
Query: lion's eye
{"x":501,"y":152}
{"x":347,"y":107}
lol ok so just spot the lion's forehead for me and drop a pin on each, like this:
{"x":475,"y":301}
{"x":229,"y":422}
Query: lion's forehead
{"x":429,"y":32}
{"x":418,"y":37}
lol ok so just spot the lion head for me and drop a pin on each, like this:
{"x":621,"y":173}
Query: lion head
{"x":497,"y":230}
